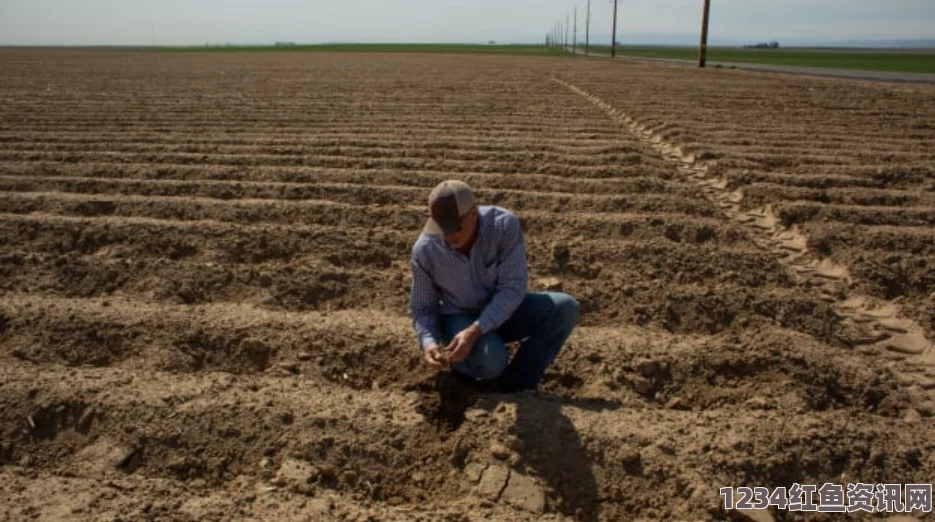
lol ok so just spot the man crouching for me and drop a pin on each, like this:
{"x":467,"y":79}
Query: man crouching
{"x":469,"y":298}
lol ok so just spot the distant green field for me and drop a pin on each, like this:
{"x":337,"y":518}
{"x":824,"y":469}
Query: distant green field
{"x":892,"y":61}
{"x":375,"y":48}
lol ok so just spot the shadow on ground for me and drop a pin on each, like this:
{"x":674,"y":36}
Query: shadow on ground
{"x":552,"y":449}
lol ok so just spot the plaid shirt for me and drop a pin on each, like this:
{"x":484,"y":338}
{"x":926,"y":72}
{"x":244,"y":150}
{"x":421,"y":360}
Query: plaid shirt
{"x":490,"y":282}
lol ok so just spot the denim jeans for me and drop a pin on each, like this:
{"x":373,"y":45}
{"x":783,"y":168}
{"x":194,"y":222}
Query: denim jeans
{"x":544,"y":319}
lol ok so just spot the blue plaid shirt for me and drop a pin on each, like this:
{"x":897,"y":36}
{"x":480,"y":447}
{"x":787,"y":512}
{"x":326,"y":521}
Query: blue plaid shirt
{"x":490,"y":282}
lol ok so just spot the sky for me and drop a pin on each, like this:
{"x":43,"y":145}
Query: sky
{"x":197,"y":22}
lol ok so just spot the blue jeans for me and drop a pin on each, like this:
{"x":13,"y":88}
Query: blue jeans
{"x":544,"y":319}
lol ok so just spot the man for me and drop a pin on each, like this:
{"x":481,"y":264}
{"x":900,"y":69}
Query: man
{"x":469,"y":277}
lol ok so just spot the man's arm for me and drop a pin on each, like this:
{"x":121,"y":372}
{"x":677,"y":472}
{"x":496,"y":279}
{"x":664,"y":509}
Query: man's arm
{"x":424,"y":306}
{"x":512,"y":278}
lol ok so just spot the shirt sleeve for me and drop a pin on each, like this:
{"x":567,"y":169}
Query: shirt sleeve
{"x":424,"y":306}
{"x":512,"y":278}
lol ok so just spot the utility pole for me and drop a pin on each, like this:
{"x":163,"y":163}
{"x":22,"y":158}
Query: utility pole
{"x":613,"y":34}
{"x":703,"y":53}
{"x":567,"y":31}
{"x":587,"y":31}
{"x":574,"y":42}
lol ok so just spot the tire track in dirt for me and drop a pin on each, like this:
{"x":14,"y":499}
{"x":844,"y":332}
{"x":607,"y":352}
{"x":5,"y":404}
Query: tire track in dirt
{"x":875,"y":327}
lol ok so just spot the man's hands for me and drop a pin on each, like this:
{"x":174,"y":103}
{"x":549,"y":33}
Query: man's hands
{"x":458,"y":349}
{"x":435,"y":357}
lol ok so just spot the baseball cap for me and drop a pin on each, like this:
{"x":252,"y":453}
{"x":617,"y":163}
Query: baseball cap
{"x":449,"y":202}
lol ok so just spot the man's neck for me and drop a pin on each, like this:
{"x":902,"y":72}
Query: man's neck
{"x":466,"y":249}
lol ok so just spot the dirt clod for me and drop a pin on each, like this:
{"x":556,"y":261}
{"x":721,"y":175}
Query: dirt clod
{"x":522,"y":492}
{"x":499,"y":451}
{"x":493,"y":481}
{"x":642,"y":385}
{"x":297,"y":475}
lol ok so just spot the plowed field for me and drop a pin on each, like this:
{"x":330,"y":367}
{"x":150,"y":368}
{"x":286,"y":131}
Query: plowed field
{"x":204,"y":274}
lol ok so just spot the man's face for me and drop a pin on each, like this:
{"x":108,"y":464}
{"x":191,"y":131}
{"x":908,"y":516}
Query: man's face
{"x":464,"y":236}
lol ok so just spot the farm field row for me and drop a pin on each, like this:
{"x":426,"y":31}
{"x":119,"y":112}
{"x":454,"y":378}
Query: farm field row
{"x":204,"y":271}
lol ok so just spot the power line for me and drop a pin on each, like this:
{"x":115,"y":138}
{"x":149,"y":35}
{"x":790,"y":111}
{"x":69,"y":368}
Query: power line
{"x":564,"y":33}
{"x":587,"y":31}
{"x":567,"y":31}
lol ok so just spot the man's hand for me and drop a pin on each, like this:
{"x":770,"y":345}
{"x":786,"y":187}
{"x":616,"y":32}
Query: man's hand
{"x":462,"y":344}
{"x":434,"y":357}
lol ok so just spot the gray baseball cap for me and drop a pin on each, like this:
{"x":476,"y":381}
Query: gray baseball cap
{"x":449,"y":202}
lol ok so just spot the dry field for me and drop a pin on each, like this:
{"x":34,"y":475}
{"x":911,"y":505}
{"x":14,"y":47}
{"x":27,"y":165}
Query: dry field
{"x":204,"y":275}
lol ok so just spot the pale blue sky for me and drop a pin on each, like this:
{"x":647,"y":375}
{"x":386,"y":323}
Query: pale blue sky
{"x":195,"y":22}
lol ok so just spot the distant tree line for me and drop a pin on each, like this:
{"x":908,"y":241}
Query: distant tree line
{"x":764,"y":45}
